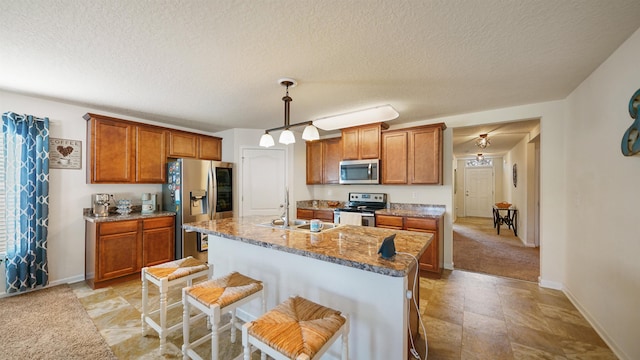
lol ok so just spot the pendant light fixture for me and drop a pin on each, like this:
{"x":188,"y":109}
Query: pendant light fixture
{"x":483,"y":141}
{"x":286,"y":137}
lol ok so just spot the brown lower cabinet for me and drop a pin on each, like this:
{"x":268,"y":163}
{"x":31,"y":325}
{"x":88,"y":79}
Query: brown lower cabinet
{"x":432,"y":259}
{"x":117,"y":250}
{"x":308,"y":214}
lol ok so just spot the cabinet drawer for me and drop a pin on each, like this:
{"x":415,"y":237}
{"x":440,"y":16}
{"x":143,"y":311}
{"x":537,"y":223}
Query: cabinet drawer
{"x":118,"y":227}
{"x":305,"y":214}
{"x":421,"y":223}
{"x":386,"y":220}
{"x":159,"y":222}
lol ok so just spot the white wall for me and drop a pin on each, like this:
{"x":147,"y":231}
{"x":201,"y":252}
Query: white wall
{"x":68,"y":191}
{"x":603,"y":241}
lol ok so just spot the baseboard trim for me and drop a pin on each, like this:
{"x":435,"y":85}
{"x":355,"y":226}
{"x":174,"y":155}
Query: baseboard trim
{"x":597,"y":327}
{"x":551,"y":284}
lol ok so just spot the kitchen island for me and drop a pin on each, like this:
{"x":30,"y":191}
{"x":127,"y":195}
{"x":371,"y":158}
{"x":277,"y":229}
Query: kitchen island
{"x":338,"y":268}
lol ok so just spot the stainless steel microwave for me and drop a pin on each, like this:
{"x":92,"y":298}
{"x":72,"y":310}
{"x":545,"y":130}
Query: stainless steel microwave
{"x":360,"y":171}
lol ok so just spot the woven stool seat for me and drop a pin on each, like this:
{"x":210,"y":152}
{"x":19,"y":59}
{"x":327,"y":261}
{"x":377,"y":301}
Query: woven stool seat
{"x":213,"y":298}
{"x":178,"y":268}
{"x":298,"y":329}
{"x":225,"y":290}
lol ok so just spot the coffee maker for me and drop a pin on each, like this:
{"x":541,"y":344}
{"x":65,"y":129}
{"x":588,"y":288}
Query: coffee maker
{"x":148,"y":203}
{"x":100,"y":204}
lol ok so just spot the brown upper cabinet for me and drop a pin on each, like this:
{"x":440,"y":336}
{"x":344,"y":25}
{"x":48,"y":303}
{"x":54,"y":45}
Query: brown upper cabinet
{"x":185,"y":144}
{"x":122,"y":151}
{"x":127,"y":152}
{"x":323,"y":161}
{"x":362,"y":142}
{"x":413,"y":155}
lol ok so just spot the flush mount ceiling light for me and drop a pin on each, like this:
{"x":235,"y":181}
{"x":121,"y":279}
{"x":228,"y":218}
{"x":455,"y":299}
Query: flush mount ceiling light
{"x":355,"y":118}
{"x":483,"y":141}
{"x":480,"y":157}
{"x":286,"y":137}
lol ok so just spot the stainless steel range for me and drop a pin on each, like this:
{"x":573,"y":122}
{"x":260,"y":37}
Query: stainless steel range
{"x":365,"y":204}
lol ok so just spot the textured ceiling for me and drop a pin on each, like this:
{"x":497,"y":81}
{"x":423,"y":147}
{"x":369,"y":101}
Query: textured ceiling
{"x":213,"y":65}
{"x":503,"y":137}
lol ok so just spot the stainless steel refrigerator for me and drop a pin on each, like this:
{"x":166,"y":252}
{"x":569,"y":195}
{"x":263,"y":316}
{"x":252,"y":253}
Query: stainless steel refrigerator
{"x":197,"y":190}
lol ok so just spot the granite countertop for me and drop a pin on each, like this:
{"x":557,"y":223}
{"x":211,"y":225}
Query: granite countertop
{"x":417,"y":211}
{"x":348,"y":245}
{"x":131,"y":216}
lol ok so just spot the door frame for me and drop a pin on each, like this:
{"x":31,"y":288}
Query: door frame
{"x":466,"y":179}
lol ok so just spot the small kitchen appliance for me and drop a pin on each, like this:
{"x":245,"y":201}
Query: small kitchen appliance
{"x":100,"y":204}
{"x":148,"y":203}
{"x":364,"y":203}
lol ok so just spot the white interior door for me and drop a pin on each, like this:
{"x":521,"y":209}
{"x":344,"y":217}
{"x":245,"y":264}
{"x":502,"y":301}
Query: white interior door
{"x":478,"y":200}
{"x":263,"y":181}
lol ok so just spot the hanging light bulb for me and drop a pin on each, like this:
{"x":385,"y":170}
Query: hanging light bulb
{"x":310,"y":133}
{"x":266,"y":140}
{"x":286,"y":137}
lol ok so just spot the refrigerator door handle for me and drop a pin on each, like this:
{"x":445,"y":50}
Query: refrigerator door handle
{"x":213,"y":192}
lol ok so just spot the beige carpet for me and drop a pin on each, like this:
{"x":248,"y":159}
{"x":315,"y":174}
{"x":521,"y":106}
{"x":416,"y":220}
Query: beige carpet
{"x":49,"y":324}
{"x":477,"y":247}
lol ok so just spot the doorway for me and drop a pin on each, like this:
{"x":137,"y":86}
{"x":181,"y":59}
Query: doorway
{"x":476,"y":244}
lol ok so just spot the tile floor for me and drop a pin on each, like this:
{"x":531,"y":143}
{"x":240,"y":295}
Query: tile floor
{"x":466,"y":315}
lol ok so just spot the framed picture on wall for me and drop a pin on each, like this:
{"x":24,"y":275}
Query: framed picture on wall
{"x":203,"y":242}
{"x":65,"y":154}
{"x":515,"y":175}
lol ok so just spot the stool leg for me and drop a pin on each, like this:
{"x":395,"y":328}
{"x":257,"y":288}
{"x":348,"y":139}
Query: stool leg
{"x":215,"y":323}
{"x":145,"y":296}
{"x":233,"y":327}
{"x":345,"y":339}
{"x":185,"y":325}
{"x":245,"y":342}
{"x":164,"y":288}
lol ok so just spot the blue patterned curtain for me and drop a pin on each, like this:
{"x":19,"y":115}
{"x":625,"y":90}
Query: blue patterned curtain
{"x":26,"y":149}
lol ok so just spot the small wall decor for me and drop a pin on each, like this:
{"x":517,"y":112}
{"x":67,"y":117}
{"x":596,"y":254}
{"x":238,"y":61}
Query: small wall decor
{"x":65,"y":154}
{"x":515,"y":175}
{"x":631,"y":139}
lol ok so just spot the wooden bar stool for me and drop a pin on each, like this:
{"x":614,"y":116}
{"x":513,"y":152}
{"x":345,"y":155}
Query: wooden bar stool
{"x":213,"y":298}
{"x":181,"y":271}
{"x":296,"y":329}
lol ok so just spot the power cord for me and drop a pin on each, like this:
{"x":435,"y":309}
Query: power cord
{"x":413,"y":350}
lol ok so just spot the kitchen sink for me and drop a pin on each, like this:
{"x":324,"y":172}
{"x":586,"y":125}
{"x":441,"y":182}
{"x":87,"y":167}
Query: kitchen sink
{"x":297,"y":225}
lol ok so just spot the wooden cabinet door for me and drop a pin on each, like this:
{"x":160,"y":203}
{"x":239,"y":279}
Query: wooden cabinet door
{"x":331,"y":156}
{"x":350,"y":143}
{"x":151,"y":158}
{"x":425,"y":158}
{"x":314,"y":162}
{"x":429,"y":260}
{"x":117,"y":251}
{"x":394,"y":157}
{"x":183,"y":144}
{"x":158,"y":240}
{"x":111,"y":151}
{"x":369,"y":142}
{"x":210,"y":148}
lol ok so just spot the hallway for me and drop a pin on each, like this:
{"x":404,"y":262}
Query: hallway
{"x":477,"y":248}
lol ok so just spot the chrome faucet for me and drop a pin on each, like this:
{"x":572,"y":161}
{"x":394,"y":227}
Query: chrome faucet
{"x":285,"y":212}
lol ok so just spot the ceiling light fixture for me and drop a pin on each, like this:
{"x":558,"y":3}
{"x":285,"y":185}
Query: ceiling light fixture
{"x":356,"y":118}
{"x":480,"y":157}
{"x":483,"y":141}
{"x":286,"y":137}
